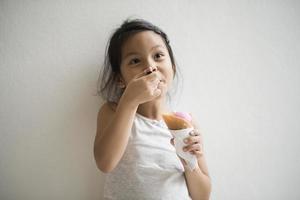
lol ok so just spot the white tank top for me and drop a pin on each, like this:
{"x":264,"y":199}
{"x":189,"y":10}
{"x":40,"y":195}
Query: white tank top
{"x":149,"y":168}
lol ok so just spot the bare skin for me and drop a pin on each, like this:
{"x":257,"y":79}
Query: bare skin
{"x":145,"y":93}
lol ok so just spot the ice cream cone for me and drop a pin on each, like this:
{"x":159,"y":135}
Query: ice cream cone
{"x":180,"y":126}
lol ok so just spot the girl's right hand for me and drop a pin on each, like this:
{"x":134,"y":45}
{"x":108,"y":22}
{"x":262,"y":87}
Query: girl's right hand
{"x":143,"y":87}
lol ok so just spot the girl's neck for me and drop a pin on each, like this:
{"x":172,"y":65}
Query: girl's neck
{"x":153,"y":109}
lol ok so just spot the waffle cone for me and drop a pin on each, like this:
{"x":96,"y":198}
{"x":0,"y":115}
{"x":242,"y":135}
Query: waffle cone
{"x":176,"y":123}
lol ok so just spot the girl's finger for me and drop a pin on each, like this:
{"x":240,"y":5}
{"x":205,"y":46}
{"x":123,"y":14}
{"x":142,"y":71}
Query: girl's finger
{"x":194,"y":132}
{"x":153,"y":77}
{"x":196,"y":146}
{"x":192,"y":139}
{"x":144,"y":73}
{"x":197,"y":153}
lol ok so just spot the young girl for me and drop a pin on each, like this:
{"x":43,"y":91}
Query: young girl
{"x":133,"y":145}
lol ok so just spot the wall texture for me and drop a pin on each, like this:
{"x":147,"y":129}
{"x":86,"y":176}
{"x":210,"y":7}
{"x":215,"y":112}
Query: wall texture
{"x":240,"y":62}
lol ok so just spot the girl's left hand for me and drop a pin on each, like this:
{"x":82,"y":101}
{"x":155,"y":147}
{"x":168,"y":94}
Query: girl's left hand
{"x":194,"y":144}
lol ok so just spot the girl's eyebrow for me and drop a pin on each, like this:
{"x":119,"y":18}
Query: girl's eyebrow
{"x":134,"y":53}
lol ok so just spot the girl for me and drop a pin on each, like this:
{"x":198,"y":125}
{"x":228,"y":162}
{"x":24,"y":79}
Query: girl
{"x":132,"y":145}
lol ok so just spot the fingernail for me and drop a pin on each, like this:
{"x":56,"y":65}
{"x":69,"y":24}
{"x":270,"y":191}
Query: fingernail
{"x":186,"y":140}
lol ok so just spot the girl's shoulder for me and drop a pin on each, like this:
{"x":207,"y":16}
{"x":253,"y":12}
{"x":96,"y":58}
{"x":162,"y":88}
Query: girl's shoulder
{"x":106,"y":111}
{"x":112,"y":105}
{"x":105,"y":114}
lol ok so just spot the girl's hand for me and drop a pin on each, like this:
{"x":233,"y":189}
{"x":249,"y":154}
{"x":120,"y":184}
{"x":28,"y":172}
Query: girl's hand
{"x":194,"y":145}
{"x":144,"y":87}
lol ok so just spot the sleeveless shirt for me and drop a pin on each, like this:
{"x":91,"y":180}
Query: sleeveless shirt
{"x":149,"y":168}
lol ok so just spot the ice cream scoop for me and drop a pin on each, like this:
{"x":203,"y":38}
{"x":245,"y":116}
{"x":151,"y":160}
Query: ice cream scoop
{"x":184,"y":115}
{"x":177,"y":120}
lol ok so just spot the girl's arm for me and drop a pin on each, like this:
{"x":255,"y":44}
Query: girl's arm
{"x":198,"y":180}
{"x":114,"y":125}
{"x":113,"y":129}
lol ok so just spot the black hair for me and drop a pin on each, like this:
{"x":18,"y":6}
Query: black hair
{"x":107,"y":87}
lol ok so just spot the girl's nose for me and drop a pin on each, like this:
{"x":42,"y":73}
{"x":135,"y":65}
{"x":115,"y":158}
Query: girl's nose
{"x":151,"y":69}
{"x":154,"y":68}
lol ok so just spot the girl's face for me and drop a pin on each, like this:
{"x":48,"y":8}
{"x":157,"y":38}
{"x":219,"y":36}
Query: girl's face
{"x":143,"y":50}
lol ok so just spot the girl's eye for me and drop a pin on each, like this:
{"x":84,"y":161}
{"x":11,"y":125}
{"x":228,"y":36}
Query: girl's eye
{"x":134,"y":61}
{"x":159,"y":55}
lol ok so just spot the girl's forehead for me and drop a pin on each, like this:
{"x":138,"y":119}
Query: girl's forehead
{"x":142,"y":40}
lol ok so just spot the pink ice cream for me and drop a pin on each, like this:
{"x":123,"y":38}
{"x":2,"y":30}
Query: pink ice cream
{"x":184,"y":115}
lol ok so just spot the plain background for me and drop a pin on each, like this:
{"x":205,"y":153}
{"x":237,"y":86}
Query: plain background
{"x":240,"y":67}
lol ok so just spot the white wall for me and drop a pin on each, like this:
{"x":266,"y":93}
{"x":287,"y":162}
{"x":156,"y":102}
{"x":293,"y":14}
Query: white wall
{"x":240,"y":63}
